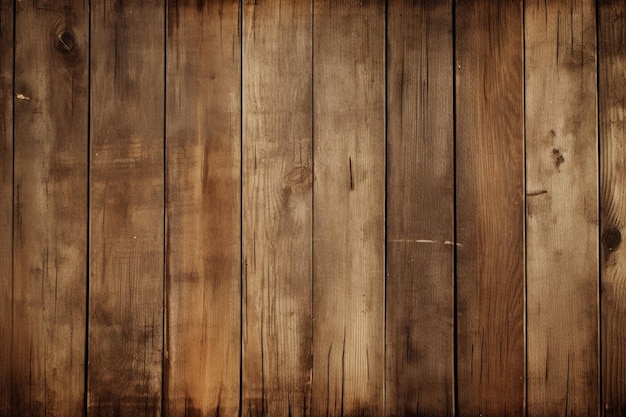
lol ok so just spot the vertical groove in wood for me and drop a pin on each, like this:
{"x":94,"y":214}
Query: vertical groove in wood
{"x":6,"y":207}
{"x":50,"y":208}
{"x":349,"y":207}
{"x":612,"y":89}
{"x":420,"y":210}
{"x":490,"y":208}
{"x":277,"y":208}
{"x":126,"y":219}
{"x":562,"y":208}
{"x":203,"y":209}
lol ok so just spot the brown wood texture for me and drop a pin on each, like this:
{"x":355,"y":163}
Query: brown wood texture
{"x":612,"y":102}
{"x":349,"y":208}
{"x":203,"y":209}
{"x":312,"y":208}
{"x":6,"y":207}
{"x":50,"y":209}
{"x":490,"y":208}
{"x":126,"y":277}
{"x":420,"y":210}
{"x":562,"y":208}
{"x":277,"y":208}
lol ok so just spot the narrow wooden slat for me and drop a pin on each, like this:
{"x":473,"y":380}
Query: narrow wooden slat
{"x":349,"y":208}
{"x":6,"y":206}
{"x":277,"y":208}
{"x":612,"y":89}
{"x":203,"y":209}
{"x":562,"y":208}
{"x":50,"y":208}
{"x":490,"y":208}
{"x":126,"y":218}
{"x":420,"y":210}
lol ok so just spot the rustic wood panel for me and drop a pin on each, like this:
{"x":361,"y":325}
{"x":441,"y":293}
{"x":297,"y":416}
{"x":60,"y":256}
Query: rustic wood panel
{"x":50,"y":208}
{"x":127,"y":208}
{"x":277,"y":208}
{"x":6,"y":207}
{"x":420,"y":210}
{"x":612,"y":89}
{"x":349,"y":207}
{"x":490,"y":208}
{"x":562,"y":208}
{"x":203,"y":209}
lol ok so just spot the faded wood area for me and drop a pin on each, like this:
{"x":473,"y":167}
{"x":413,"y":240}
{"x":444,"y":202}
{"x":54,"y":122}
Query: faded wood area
{"x":312,"y":208}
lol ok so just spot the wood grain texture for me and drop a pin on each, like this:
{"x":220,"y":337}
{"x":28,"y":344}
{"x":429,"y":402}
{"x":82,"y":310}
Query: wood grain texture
{"x":203,"y":209}
{"x":420,"y":210}
{"x":6,"y":206}
{"x":277,"y":208}
{"x":349,"y":208}
{"x":127,"y":208}
{"x":612,"y":89}
{"x":50,"y":208}
{"x":490,"y":208}
{"x":562,"y":208}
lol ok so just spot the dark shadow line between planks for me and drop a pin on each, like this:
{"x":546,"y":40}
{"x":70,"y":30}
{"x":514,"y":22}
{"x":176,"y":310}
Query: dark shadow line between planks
{"x":599,"y":209}
{"x":88,"y":220}
{"x":241,"y":258}
{"x":385,"y":208}
{"x":165,"y":283}
{"x":13,"y":211}
{"x":524,"y":202}
{"x":312,"y":271}
{"x":455,"y":321}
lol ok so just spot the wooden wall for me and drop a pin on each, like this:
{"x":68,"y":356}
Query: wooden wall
{"x":312,"y":208}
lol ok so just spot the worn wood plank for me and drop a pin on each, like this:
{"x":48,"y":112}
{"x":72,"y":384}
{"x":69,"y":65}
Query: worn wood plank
{"x":6,"y":206}
{"x":562,"y":208}
{"x":127,"y":208}
{"x":349,"y":207}
{"x":277,"y":208}
{"x":203,"y":208}
{"x":612,"y":89}
{"x":490,"y":208}
{"x":50,"y":208}
{"x":420,"y":210}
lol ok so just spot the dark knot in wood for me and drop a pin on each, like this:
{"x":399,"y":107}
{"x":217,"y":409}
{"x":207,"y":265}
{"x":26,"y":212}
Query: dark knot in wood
{"x":611,"y":239}
{"x":66,"y":41}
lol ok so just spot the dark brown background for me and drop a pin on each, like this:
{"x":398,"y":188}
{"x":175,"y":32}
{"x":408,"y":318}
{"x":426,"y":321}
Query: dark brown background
{"x":312,"y":208}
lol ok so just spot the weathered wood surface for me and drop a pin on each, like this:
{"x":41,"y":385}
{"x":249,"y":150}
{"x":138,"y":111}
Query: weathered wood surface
{"x":202,"y":350}
{"x":420,"y":210}
{"x":349,"y":208}
{"x":50,"y":209}
{"x":490,"y":208}
{"x":277,"y":209}
{"x":562,"y":208}
{"x":335,"y":208}
{"x":6,"y":207}
{"x":612,"y":88}
{"x":126,"y":260}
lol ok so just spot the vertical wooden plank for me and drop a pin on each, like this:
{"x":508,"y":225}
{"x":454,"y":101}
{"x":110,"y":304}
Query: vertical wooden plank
{"x":490,"y":207}
{"x":6,"y":205}
{"x":562,"y":208}
{"x":277,"y":208}
{"x":420,"y":210}
{"x":612,"y":96}
{"x":203,"y":208}
{"x":50,"y":208}
{"x":126,"y":219}
{"x":349,"y":207}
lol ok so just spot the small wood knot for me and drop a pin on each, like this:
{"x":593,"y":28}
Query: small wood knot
{"x":65,"y":41}
{"x":611,"y":239}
